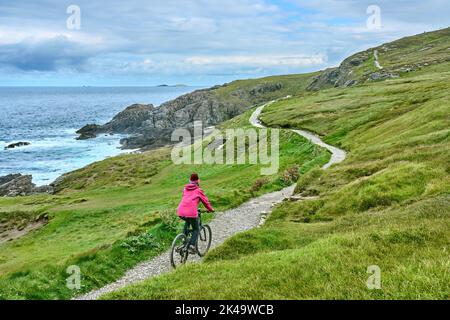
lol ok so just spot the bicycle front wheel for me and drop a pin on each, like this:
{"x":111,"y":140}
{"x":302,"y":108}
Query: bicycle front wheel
{"x":179,"y":251}
{"x":204,"y":240}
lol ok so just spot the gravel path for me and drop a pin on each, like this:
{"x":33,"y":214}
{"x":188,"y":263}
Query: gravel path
{"x":225,"y":225}
{"x":337,"y":155}
{"x":245,"y":217}
{"x":377,"y":63}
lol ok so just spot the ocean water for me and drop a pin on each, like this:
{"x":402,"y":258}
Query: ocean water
{"x":48,"y":117}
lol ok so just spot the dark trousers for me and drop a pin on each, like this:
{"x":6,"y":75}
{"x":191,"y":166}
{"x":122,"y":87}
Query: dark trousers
{"x":193,"y":222}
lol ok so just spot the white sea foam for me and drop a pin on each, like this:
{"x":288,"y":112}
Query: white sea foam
{"x":51,"y":127}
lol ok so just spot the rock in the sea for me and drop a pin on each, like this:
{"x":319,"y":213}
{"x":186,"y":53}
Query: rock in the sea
{"x":149,"y":127}
{"x":17,"y":144}
{"x":129,"y":121}
{"x":89,"y":131}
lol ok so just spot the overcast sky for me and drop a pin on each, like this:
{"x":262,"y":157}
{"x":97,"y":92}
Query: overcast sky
{"x":202,"y":42}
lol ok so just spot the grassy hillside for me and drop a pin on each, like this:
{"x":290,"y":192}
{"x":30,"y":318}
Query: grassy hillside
{"x":398,"y":58}
{"x":387,"y":204}
{"x":117,"y":212}
{"x":416,"y":51}
{"x":407,"y":54}
{"x":254,"y":91}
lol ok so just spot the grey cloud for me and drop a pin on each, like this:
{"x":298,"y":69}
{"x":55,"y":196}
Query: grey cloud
{"x":168,"y":32}
{"x":45,"y":55}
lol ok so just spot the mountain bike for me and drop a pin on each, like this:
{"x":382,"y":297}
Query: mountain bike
{"x":180,"y":245}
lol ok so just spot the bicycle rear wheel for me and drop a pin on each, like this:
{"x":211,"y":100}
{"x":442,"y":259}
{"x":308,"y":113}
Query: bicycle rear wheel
{"x":204,"y":240}
{"x":179,"y":251}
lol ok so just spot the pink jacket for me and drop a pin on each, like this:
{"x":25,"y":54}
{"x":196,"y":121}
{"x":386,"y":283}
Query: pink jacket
{"x":192,"y":195}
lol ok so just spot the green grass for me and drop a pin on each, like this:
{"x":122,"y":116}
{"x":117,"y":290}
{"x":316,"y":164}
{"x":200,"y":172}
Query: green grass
{"x":111,"y":202}
{"x":239,"y":90}
{"x":431,"y":47}
{"x":288,"y":260}
{"x":413,"y":53}
{"x":387,"y":204}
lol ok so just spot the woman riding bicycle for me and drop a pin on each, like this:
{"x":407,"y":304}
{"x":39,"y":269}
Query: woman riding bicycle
{"x":188,"y":208}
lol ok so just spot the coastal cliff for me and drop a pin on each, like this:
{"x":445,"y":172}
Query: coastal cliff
{"x":149,"y":127}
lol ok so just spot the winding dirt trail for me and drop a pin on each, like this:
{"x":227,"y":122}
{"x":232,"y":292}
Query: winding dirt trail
{"x":244,"y":217}
{"x":376,"y":61}
{"x":337,"y":155}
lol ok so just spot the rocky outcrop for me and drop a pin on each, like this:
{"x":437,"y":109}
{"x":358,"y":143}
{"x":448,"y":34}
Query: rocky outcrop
{"x":16,"y":145}
{"x":265,"y":88}
{"x":387,"y":61}
{"x":17,"y":186}
{"x":44,"y":189}
{"x":201,"y":105}
{"x":14,"y":185}
{"x":8,"y":178}
{"x":88,"y":131}
{"x":128,"y":121}
{"x":150,"y":127}
{"x":327,"y":78}
{"x":149,"y":138}
{"x":377,"y":76}
{"x":343,"y":76}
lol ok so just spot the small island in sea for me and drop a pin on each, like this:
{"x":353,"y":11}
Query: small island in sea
{"x":175,"y":85}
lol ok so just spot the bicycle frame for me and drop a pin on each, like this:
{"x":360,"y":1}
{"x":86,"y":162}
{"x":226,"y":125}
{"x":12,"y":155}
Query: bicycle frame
{"x":181,"y":249}
{"x":200,"y":223}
